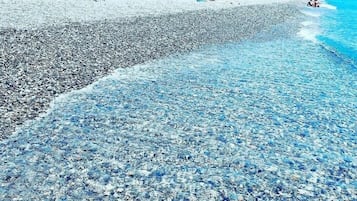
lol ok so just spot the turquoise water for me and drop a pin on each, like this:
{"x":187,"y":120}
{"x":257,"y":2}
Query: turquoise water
{"x":340,"y":28}
{"x":226,"y":122}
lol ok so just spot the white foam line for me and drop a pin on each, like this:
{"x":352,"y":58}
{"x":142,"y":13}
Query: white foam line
{"x":308,"y":34}
{"x":309,"y":23}
{"x":328,"y":6}
{"x":309,"y":31}
{"x":137,"y":72}
{"x":312,"y":13}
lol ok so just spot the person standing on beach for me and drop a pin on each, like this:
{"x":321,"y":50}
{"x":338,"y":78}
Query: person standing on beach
{"x":316,"y":3}
{"x":313,"y":3}
{"x":310,"y":3}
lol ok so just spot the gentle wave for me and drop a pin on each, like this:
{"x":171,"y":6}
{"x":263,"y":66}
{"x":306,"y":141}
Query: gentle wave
{"x":338,"y":26}
{"x":308,"y":33}
{"x":311,"y":12}
{"x":333,"y":27}
{"x":328,"y":6}
{"x":310,"y":27}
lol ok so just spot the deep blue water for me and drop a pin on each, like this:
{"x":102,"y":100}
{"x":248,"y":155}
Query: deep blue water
{"x":226,"y":122}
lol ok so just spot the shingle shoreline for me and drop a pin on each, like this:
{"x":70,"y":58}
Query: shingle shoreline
{"x":38,"y":65}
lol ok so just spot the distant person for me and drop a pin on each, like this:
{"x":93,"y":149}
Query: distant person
{"x":311,"y":3}
{"x":316,"y":3}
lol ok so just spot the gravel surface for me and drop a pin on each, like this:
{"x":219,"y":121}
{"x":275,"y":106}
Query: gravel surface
{"x":38,"y":65}
{"x":34,"y":13}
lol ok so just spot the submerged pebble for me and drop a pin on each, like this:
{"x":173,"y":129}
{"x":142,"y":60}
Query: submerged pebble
{"x":217,"y":124}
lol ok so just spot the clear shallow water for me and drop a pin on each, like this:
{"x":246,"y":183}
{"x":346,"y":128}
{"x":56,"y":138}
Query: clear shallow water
{"x":229,"y":122}
{"x":221,"y":123}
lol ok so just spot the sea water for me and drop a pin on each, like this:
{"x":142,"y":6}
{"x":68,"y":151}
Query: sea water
{"x":272,"y":119}
{"x":340,"y":29}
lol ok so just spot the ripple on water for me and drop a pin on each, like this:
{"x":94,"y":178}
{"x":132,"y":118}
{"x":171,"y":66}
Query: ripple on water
{"x":227,"y":122}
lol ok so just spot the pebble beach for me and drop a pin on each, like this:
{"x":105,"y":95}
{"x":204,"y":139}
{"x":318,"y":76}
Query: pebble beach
{"x":39,"y":63}
{"x":175,"y":100}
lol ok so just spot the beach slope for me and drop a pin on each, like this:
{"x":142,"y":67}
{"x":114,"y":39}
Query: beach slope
{"x":39,"y":63}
